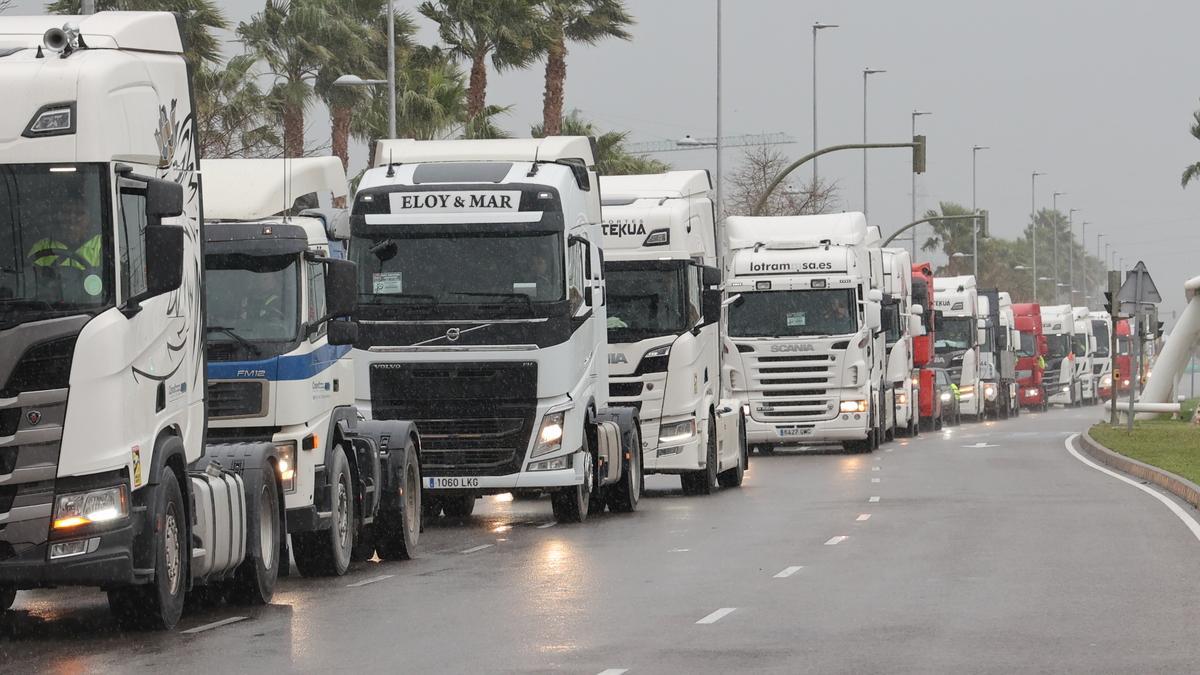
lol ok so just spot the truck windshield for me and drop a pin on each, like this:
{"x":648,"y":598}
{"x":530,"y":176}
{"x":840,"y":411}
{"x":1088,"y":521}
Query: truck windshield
{"x":54,"y":243}
{"x":648,"y":300}
{"x":1028,"y":346}
{"x":793,"y":314}
{"x":1080,"y":344}
{"x":493,"y":268}
{"x":1060,"y":345}
{"x":954,"y":332}
{"x":1100,"y":330}
{"x":253,"y":299}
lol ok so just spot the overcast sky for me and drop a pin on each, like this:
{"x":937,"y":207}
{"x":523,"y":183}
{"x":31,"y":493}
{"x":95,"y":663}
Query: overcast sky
{"x":1098,"y":94}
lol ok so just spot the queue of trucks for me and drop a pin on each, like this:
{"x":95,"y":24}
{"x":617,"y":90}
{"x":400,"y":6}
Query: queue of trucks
{"x":206,"y":375}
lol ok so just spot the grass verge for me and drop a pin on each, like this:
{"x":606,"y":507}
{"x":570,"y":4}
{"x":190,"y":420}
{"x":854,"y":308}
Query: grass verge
{"x":1169,"y":445}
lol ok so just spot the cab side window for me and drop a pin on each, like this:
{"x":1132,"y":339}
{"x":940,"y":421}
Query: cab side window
{"x":695,"y":288}
{"x":576,"y":275}
{"x":131,"y":241}
{"x":316,"y":296}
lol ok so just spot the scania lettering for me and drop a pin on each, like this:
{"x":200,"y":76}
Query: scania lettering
{"x":957,"y":342}
{"x":664,"y":329}
{"x":279,"y":368}
{"x":483,"y":321}
{"x":807,"y":351}
{"x":108,"y":481}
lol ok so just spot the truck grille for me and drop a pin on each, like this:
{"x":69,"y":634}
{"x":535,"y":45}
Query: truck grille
{"x":44,"y":366}
{"x":236,"y":399}
{"x":475,"y":418}
{"x":624,"y":389}
{"x":793,"y":387}
{"x":1098,"y":369}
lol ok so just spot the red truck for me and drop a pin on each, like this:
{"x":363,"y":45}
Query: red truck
{"x":1030,"y":362}
{"x":1122,"y":370}
{"x":929,"y":405}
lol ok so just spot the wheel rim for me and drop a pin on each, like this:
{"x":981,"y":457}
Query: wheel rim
{"x":635,"y":473}
{"x":171,"y":555}
{"x":585,"y":489}
{"x":266,"y":528}
{"x":343,"y":515}
{"x":412,"y":498}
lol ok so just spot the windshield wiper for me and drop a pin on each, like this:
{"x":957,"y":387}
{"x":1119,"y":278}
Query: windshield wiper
{"x":250,"y":346}
{"x":430,"y":300}
{"x":27,"y":303}
{"x":505,"y":296}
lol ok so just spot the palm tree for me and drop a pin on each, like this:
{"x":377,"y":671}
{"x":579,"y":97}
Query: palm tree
{"x":611,"y":156}
{"x":506,"y":30}
{"x":563,"y":21}
{"x":1193,"y":171}
{"x":201,"y":18}
{"x":294,"y":39}
{"x":232,"y":119}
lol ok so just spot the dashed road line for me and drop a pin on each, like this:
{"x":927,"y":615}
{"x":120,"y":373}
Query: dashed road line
{"x":789,"y":571}
{"x":874,"y":468}
{"x":679,"y":550}
{"x":717,"y":615}
{"x":874,"y":480}
{"x":863,"y":516}
{"x":372,"y":580}
{"x":475,"y":549}
{"x":215,"y":624}
{"x":834,"y":541}
{"x":873,"y":500}
{"x":614,"y":671}
{"x":546,"y":525}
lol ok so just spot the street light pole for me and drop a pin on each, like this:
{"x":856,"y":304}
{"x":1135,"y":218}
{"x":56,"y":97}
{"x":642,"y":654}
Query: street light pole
{"x":866,"y":71}
{"x":720,"y":179}
{"x":1083,"y":243}
{"x":1033,"y":226}
{"x":915,"y":115}
{"x":1070,"y":246}
{"x":975,"y":223}
{"x":1054,"y":232}
{"x":816,"y":27}
{"x":391,"y":69}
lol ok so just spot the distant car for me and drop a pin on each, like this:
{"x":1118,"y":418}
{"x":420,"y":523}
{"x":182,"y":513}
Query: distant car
{"x":946,"y":394}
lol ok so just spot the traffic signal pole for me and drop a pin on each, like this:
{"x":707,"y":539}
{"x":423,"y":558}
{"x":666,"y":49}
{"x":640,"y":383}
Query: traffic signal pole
{"x":1114,"y":310}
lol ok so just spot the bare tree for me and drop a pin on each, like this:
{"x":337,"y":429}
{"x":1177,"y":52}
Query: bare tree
{"x":760,"y":165}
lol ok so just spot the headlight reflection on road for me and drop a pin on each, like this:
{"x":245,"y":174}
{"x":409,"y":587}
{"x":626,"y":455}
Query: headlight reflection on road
{"x":558,"y":587}
{"x":849,"y":466}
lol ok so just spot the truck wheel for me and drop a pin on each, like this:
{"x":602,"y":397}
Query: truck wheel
{"x":731,"y":478}
{"x":625,"y":495}
{"x":398,"y":531}
{"x":459,"y":506}
{"x":8,"y":595}
{"x":570,"y":504}
{"x":704,"y":481}
{"x":254,"y":583}
{"x":327,"y":553}
{"x":159,"y":605}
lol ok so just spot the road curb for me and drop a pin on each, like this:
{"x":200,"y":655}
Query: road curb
{"x":1176,"y":485}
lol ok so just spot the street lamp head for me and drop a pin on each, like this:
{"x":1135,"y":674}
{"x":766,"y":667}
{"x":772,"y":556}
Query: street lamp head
{"x":918,"y":113}
{"x":355,"y":81}
{"x":872,"y":71}
{"x":1059,"y":194}
{"x":689,"y":142}
{"x":817,"y":25}
{"x":1023,"y":268}
{"x":1038,"y":173}
{"x":977,"y":148}
{"x":1045,"y":279}
{"x":962,"y":255}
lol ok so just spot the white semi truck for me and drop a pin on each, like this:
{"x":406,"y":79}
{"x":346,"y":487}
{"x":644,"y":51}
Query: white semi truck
{"x":808,"y":358}
{"x":1083,"y":344}
{"x":280,"y":371}
{"x":957,"y":340}
{"x":664,"y":328}
{"x":105,"y":478}
{"x":998,"y":343}
{"x":1062,"y":382}
{"x":901,"y":323}
{"x":483,"y":318}
{"x":1102,"y":361}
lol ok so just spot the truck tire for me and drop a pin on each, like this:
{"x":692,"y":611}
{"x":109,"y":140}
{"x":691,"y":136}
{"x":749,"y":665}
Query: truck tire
{"x":570,"y":504}
{"x":158,"y":605}
{"x":704,"y":481}
{"x":8,"y":595}
{"x":254,"y":581}
{"x":397,"y":532}
{"x":458,"y":506}
{"x":731,"y":478}
{"x":327,"y":553}
{"x":625,"y":495}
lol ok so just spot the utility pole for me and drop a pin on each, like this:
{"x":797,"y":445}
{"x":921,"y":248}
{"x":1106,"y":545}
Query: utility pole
{"x":915,"y":115}
{"x":866,"y":72}
{"x":1033,"y":226}
{"x":816,"y":27}
{"x":975,"y":223}
{"x":1114,"y":288}
{"x":720,"y":178}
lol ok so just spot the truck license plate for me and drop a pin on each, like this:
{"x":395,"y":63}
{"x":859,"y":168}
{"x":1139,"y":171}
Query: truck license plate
{"x":795,"y":432}
{"x":444,"y":483}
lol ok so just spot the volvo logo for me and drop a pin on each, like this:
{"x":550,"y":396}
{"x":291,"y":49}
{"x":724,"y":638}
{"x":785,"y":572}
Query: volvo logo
{"x":793,"y":348}
{"x":453,"y":334}
{"x":34,"y":417}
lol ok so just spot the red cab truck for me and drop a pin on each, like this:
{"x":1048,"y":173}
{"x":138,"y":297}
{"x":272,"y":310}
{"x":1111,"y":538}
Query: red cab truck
{"x":1122,"y":368}
{"x":928,"y":404}
{"x":1030,"y":353}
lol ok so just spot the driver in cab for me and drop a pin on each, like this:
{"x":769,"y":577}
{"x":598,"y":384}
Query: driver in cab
{"x":74,"y":245}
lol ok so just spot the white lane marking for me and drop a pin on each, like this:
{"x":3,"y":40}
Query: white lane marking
{"x":874,"y":468}
{"x":874,"y":480}
{"x":545,"y":525}
{"x":789,"y":571}
{"x":215,"y":624}
{"x":372,"y":580}
{"x":863,"y":516}
{"x":873,"y":500}
{"x":717,"y":615}
{"x":981,"y":445}
{"x":888,"y":449}
{"x":1175,"y":508}
{"x":834,"y":541}
{"x":679,"y":550}
{"x":474,"y":549}
{"x":614,"y":671}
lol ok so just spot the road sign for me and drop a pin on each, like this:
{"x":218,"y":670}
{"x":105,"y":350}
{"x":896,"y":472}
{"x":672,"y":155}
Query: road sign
{"x":1139,"y":288}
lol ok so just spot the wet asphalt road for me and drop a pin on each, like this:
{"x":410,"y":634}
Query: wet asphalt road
{"x":990,"y":548}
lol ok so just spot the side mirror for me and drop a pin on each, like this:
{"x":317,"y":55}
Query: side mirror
{"x":710,"y":306}
{"x":164,"y":260}
{"x":915,"y":327}
{"x":875,"y":295}
{"x":981,"y":323}
{"x":710,"y":276}
{"x":164,"y":199}
{"x":587,"y":296}
{"x":874,"y":316}
{"x":342,"y":333}
{"x":917,"y":310}
{"x":1043,"y":346}
{"x":341,"y":288}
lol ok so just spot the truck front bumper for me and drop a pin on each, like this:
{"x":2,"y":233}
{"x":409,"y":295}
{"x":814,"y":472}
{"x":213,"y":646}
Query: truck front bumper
{"x":523,"y":480}
{"x":1059,"y":394}
{"x":677,"y":458}
{"x":108,"y":561}
{"x":808,"y":433}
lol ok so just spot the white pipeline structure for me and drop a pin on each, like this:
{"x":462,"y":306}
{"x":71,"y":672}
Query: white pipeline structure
{"x":1176,"y":351}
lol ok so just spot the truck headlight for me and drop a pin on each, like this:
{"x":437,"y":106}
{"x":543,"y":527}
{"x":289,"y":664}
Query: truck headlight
{"x":989,"y":391}
{"x":1106,"y":381}
{"x":901,"y":399}
{"x":859,"y":406}
{"x":550,"y":434}
{"x":286,"y":468}
{"x":1032,"y":392}
{"x":94,"y":506}
{"x":946,"y":396}
{"x":677,"y":432}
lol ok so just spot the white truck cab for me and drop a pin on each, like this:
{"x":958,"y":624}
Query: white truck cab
{"x":483,"y":318}
{"x":957,"y":341}
{"x":1102,"y":361}
{"x":901,"y":323}
{"x":1061,"y":379}
{"x":998,"y":343}
{"x":808,"y":355}
{"x":1083,"y":344}
{"x":664,"y":331}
